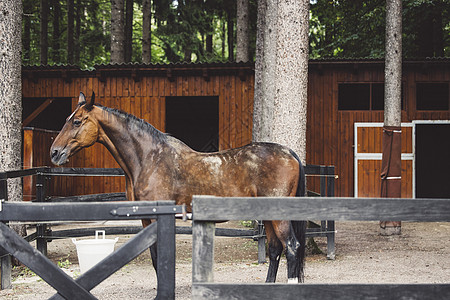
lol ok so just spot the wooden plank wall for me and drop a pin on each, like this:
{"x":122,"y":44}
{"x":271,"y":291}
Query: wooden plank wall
{"x":145,"y":98}
{"x":330,"y":132}
{"x":36,"y":145}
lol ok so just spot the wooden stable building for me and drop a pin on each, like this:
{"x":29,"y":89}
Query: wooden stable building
{"x":209,"y":106}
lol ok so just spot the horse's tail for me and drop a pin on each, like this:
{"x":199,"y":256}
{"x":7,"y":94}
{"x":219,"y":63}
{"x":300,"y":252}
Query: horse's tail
{"x":299,"y":227}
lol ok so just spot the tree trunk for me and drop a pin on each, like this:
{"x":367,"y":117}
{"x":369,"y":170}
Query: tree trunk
{"x":129,"y":30}
{"x":281,"y":77}
{"x":11,"y":96}
{"x":391,"y":161}
{"x":209,"y":45}
{"x":27,"y":8}
{"x":146,"y":32}
{"x":264,"y":71}
{"x":242,"y":33}
{"x":223,"y":39}
{"x":230,"y":35}
{"x":117,"y":32}
{"x":78,"y":14}
{"x":56,"y":31}
{"x":291,"y":84}
{"x":70,"y":27}
{"x":44,"y":32}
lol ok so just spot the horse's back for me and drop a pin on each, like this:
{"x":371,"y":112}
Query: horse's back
{"x":273,"y":169}
{"x":257,"y":169}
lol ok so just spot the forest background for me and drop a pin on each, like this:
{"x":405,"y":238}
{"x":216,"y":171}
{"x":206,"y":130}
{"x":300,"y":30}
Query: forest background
{"x":78,"y":32}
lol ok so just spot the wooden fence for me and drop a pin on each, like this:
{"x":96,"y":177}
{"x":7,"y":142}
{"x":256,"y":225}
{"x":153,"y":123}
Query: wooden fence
{"x":162,"y":231}
{"x":208,"y":209}
{"x":321,"y":178}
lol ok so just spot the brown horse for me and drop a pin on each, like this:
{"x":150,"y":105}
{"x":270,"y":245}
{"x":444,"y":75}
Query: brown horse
{"x":158,"y":166}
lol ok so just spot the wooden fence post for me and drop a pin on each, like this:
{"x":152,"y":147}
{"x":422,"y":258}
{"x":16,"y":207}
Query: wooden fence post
{"x":202,"y":251}
{"x":5,"y":258}
{"x":166,"y":257}
{"x":41,"y":189}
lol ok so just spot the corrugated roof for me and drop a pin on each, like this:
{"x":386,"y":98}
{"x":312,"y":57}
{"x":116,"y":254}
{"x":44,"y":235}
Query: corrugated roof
{"x":207,"y":68}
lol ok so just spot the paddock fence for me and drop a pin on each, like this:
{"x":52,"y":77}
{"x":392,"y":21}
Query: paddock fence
{"x":208,"y":210}
{"x":320,"y":179}
{"x":162,"y":232}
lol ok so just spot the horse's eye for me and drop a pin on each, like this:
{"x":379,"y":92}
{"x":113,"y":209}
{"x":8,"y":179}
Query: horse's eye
{"x":77,"y":122}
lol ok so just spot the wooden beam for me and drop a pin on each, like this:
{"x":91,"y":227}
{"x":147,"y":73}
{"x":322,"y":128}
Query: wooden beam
{"x":116,"y":260}
{"x":319,"y":291}
{"x":41,"y":265}
{"x":22,"y":211}
{"x":208,"y":208}
{"x":37,"y":111}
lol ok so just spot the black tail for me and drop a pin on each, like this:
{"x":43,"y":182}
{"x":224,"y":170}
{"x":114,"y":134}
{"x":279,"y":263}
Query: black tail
{"x":299,"y":227}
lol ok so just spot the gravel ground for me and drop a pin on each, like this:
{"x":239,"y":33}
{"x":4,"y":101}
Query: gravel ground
{"x":419,"y":255}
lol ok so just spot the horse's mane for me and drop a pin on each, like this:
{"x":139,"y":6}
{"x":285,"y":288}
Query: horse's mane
{"x":139,"y":123}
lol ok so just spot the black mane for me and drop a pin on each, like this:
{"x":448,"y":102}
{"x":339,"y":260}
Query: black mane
{"x":139,"y":123}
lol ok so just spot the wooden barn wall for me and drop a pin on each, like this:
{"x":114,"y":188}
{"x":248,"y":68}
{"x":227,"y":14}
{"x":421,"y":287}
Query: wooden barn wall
{"x":145,"y":98}
{"x":330,"y":132}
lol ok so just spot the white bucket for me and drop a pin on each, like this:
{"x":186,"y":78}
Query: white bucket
{"x":91,"y":252}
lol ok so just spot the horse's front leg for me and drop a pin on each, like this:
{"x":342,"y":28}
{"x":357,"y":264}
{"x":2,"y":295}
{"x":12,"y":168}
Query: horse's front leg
{"x":275,"y":248}
{"x":153,"y":248}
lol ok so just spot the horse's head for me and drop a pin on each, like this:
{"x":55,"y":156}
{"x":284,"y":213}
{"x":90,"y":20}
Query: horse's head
{"x":79,"y":131}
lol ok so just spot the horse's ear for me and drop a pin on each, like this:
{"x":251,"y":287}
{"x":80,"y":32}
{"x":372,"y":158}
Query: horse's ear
{"x":91,"y":102}
{"x":81,"y":99}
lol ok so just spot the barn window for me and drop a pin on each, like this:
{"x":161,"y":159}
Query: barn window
{"x":362,"y":96}
{"x":432,"y":96}
{"x":354,"y":96}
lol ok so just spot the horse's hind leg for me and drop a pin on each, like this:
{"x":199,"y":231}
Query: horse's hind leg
{"x":295,"y":251}
{"x":153,"y":248}
{"x":291,"y":236}
{"x":275,"y":249}
{"x":293,"y":257}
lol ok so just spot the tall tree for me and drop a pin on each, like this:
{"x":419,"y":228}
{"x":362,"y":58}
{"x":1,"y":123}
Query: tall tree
{"x":77,"y":49}
{"x":117,"y":31}
{"x":230,"y":33}
{"x":44,"y":32}
{"x":391,"y":161}
{"x":281,"y":115}
{"x":70,"y":29}
{"x":56,"y":35}
{"x":11,"y":95}
{"x":26,"y":40}
{"x":264,"y":71}
{"x":146,"y":32}
{"x":128,"y":43}
{"x":242,"y":31}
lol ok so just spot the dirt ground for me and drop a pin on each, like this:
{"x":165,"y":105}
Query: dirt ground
{"x":420,"y":255}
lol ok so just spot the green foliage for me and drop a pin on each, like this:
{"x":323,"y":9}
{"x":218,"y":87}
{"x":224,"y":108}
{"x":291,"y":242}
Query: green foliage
{"x":181,"y":29}
{"x":357,"y":28}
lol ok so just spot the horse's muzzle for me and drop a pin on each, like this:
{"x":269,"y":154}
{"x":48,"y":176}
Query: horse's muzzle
{"x":59,"y":157}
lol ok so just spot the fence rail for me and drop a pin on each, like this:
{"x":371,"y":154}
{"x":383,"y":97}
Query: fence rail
{"x":163,"y":231}
{"x":209,"y":209}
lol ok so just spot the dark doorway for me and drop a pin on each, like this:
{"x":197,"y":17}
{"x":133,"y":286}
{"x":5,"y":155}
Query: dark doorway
{"x":52,"y":117}
{"x":195,"y":121}
{"x":432,"y":160}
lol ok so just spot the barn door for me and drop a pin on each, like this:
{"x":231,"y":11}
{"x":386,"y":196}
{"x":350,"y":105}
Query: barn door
{"x":368,"y":154}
